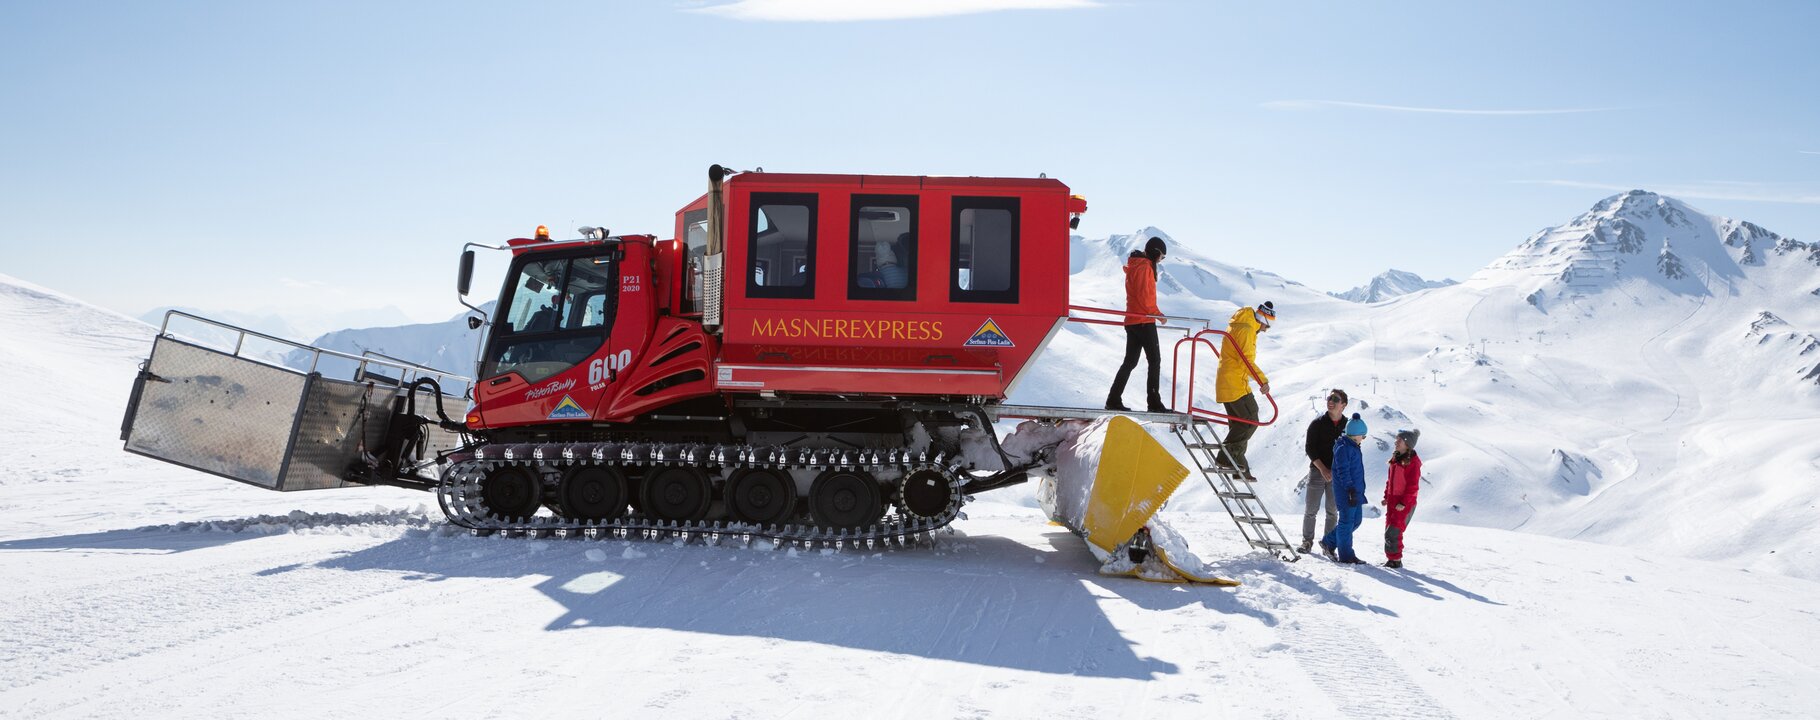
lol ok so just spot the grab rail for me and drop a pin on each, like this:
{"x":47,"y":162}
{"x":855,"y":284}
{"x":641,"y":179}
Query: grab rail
{"x":316,"y":353}
{"x":1194,"y":343}
{"x":1185,"y":321}
{"x":1194,"y":339}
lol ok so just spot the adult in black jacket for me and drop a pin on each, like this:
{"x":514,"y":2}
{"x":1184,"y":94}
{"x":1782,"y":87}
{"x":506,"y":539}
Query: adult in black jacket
{"x":1322,"y":431}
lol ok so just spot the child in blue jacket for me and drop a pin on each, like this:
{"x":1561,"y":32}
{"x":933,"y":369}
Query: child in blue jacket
{"x":1349,"y":490}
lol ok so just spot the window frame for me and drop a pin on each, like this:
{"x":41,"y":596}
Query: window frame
{"x":908,"y":291}
{"x":756,"y":200}
{"x":960,"y":203}
{"x":496,"y":341}
{"x":691,"y":300}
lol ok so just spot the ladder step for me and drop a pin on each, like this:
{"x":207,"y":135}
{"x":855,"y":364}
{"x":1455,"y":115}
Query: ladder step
{"x":1270,"y":544}
{"x":1230,"y":474}
{"x":1254,"y":520}
{"x":1198,"y":446}
{"x":1239,"y":495}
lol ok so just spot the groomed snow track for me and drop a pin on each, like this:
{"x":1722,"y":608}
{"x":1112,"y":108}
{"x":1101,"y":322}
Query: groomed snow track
{"x":464,"y":496}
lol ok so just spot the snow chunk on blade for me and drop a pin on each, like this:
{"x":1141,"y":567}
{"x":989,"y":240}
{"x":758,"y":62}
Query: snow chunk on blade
{"x":1111,"y":477}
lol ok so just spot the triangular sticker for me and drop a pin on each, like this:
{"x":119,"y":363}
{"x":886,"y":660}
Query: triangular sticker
{"x":989,"y":335}
{"x":568,"y":410}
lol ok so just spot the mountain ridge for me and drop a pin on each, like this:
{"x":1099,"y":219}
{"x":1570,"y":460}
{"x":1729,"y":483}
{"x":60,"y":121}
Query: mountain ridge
{"x":1389,"y":284}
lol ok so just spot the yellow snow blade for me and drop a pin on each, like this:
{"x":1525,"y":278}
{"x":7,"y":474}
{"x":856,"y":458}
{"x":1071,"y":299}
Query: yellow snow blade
{"x":1135,"y":476}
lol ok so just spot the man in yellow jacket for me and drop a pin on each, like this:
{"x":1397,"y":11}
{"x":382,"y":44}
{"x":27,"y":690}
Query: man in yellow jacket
{"x":1233,"y":386}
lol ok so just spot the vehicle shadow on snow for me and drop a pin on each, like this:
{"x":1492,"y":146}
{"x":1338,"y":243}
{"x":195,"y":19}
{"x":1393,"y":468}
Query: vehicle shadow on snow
{"x":975,"y":599}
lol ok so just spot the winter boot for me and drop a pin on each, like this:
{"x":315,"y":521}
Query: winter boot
{"x":1116,"y":405}
{"x":1328,"y":549}
{"x":1393,"y":563}
{"x":1306,"y":546}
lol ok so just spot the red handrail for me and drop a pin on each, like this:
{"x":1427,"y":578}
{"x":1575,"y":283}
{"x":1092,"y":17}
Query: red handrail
{"x":1125,"y":314}
{"x":1194,"y":341}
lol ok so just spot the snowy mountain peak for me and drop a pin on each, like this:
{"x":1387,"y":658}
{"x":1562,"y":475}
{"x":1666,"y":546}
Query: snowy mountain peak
{"x":1638,"y":236}
{"x":1189,"y":282}
{"x":1123,"y":245}
{"x":1644,"y":207}
{"x":1392,"y":283}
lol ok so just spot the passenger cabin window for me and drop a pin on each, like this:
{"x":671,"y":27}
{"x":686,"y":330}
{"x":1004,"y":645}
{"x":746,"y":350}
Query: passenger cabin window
{"x":882,"y":248}
{"x":695,"y":248}
{"x":557,"y":316}
{"x":985,"y":250}
{"x":780,"y":250}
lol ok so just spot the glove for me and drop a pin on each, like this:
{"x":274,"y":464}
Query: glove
{"x":1399,"y":507}
{"x":1352,"y":498}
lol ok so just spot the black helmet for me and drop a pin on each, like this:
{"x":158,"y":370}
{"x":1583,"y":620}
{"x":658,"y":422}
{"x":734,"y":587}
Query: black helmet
{"x":1155,"y":249}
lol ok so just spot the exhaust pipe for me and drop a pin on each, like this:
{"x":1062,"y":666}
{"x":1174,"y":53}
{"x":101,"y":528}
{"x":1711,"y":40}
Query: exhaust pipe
{"x":712,"y":268}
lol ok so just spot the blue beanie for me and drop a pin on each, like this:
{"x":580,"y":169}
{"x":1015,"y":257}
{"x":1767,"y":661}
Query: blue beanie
{"x":1356,"y":426}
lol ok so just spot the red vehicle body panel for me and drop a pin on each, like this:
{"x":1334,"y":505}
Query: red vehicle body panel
{"x":936,"y":344}
{"x":833,"y":344}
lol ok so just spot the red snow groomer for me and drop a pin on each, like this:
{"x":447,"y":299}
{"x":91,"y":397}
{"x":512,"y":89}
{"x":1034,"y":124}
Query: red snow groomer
{"x":807,"y":359}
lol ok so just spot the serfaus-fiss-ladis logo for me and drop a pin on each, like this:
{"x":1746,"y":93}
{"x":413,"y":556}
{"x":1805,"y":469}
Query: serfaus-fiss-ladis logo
{"x":989,"y":335}
{"x":554,"y":387}
{"x":568,"y":409}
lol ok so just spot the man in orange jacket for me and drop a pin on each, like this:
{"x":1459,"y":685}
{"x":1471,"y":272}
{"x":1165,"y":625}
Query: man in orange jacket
{"x":1140,"y":327}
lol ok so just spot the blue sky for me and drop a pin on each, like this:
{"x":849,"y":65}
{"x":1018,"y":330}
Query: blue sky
{"x":324,"y":155}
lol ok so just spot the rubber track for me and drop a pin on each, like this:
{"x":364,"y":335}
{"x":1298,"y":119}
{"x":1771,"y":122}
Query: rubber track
{"x":459,"y":491}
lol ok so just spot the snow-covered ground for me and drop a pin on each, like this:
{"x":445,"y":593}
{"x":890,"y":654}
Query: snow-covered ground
{"x":1606,"y":411}
{"x":385,"y":614}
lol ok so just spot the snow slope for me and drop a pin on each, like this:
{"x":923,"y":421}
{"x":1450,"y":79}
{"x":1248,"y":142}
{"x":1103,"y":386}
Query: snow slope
{"x":137,"y":589}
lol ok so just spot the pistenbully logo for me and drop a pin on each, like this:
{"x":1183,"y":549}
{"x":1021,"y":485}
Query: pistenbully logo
{"x":989,"y":335}
{"x":554,"y":387}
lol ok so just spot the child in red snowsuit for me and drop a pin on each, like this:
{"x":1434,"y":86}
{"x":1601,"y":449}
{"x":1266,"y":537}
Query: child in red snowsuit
{"x":1400,"y":494}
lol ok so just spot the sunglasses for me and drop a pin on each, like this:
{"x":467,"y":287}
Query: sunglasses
{"x":1336,"y":401}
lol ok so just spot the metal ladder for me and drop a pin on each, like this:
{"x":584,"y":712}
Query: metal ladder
{"x":1234,"y":489}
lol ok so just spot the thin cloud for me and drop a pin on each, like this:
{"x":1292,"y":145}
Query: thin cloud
{"x":1719,"y":190}
{"x":1578,"y":160}
{"x":1809,"y":152}
{"x":861,"y":10}
{"x":296,"y":284}
{"x":1318,"y":104}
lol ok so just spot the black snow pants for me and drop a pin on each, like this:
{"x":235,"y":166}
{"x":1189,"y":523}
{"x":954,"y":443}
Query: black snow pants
{"x":1238,"y":434}
{"x":1139,"y":338}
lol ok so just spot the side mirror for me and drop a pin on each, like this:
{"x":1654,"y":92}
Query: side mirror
{"x":474,"y":322}
{"x":466,"y":276}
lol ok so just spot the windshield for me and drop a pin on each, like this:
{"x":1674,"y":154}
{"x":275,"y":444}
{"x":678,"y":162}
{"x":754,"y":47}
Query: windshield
{"x":557,"y":313}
